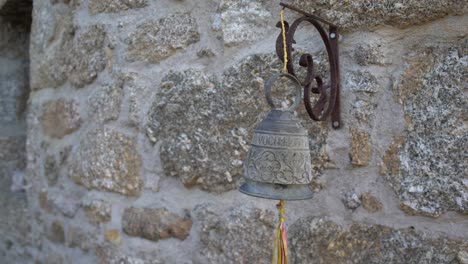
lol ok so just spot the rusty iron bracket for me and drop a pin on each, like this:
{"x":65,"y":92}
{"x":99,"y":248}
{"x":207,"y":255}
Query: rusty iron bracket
{"x":326,"y":105}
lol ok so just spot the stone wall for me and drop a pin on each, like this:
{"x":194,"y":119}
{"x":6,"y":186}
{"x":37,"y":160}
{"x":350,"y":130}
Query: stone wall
{"x":14,"y":90}
{"x":141,"y":113}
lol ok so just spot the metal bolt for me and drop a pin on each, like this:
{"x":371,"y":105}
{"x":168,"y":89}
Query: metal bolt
{"x":332,"y":35}
{"x":336,"y":124}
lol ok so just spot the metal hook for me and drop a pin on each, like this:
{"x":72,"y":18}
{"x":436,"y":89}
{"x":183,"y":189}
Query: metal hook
{"x":325,"y":105}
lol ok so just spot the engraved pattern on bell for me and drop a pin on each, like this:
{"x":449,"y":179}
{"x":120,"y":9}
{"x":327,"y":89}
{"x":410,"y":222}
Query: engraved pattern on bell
{"x":279,"y":151}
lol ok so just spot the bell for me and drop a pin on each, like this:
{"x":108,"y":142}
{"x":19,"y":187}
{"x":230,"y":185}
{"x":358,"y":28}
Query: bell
{"x":278,"y":162}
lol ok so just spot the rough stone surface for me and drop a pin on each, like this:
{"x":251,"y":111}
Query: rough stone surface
{"x":56,"y":233}
{"x":169,"y":92}
{"x":351,"y":200}
{"x":185,"y":108}
{"x":13,"y":149}
{"x":51,"y":170}
{"x":424,"y":167}
{"x":154,"y":41}
{"x":205,"y":53}
{"x":111,"y":6}
{"x":462,"y":257}
{"x":44,"y":202}
{"x":319,"y":240}
{"x":352,"y":15}
{"x":14,"y":88}
{"x":363,"y":110}
{"x":234,"y":19}
{"x":107,"y":160}
{"x":390,"y":164}
{"x":67,"y":2}
{"x":113,"y":236}
{"x":15,"y":227}
{"x":66,"y":204}
{"x":52,"y":258}
{"x":104,"y":102}
{"x":247,"y":229}
{"x":136,"y":93}
{"x":360,"y":147}
{"x":97,"y":210}
{"x":90,"y":56}
{"x":78,"y":238}
{"x":213,"y":124}
{"x":77,"y":59}
{"x":362,"y":81}
{"x":155,"y":223}
{"x":370,"y":54}
{"x":60,"y":118}
{"x":45,"y":72}
{"x":111,"y":255}
{"x":318,"y":184}
{"x":370,"y":202}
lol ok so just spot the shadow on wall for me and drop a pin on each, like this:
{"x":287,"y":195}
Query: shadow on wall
{"x":15,"y":22}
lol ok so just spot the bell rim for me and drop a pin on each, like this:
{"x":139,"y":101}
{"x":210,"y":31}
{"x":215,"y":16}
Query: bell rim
{"x":261,"y":191}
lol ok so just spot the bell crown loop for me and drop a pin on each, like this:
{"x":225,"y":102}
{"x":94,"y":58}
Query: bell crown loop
{"x":297,"y":85}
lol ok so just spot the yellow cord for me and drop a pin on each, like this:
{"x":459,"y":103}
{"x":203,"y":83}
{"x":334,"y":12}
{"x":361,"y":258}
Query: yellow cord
{"x":275,"y":247}
{"x":283,"y":231}
{"x":283,"y":30}
{"x":280,"y":249}
{"x":281,"y":211}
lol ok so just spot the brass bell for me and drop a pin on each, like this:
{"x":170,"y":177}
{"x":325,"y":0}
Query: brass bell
{"x":278,"y":162}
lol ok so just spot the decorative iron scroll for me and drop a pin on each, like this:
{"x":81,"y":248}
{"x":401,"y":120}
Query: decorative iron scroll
{"x":326,"y":105}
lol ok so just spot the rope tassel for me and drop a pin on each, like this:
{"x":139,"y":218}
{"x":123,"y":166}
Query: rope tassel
{"x":281,"y":243}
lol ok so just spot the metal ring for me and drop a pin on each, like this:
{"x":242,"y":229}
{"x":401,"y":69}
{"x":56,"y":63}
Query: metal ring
{"x":297,"y":84}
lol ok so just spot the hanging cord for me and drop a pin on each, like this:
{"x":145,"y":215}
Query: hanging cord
{"x":280,"y":250}
{"x":281,"y":243}
{"x":283,"y":31}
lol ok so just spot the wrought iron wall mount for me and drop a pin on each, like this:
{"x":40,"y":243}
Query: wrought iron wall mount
{"x":328,"y":103}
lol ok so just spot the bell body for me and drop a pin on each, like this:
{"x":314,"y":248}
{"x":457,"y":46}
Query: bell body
{"x":278,"y":163}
